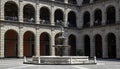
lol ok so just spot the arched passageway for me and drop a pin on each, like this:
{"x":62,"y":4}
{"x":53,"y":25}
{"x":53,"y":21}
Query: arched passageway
{"x":11,"y":44}
{"x":97,"y":17}
{"x":87,"y":45}
{"x":29,"y":44}
{"x":72,"y":43}
{"x":111,"y":15}
{"x":29,"y":13}
{"x":86,"y":19}
{"x":44,"y":44}
{"x":111,"y":41}
{"x":86,"y":2}
{"x":11,"y":11}
{"x":59,"y":0}
{"x":72,"y":1}
{"x":58,"y":17}
{"x":72,"y":19}
{"x":98,"y":46}
{"x":45,"y":15}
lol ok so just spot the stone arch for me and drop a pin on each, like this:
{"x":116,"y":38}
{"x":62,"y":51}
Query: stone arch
{"x":72,"y":19}
{"x":11,"y":44}
{"x":11,"y":11}
{"x":29,"y":44}
{"x":111,"y":15}
{"x":98,"y":46}
{"x":86,"y":19}
{"x":45,"y":15}
{"x":97,"y":17}
{"x":72,"y":1}
{"x":86,"y":2}
{"x":58,"y":17}
{"x":45,"y":44}
{"x":111,"y":44}
{"x":87,"y":45}
{"x":29,"y":13}
{"x":60,"y":0}
{"x":72,"y":43}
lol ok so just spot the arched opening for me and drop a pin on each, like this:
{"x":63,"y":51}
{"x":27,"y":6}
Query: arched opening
{"x":97,"y":17}
{"x":11,"y":44}
{"x":58,"y":17}
{"x":86,"y":2}
{"x":59,"y":0}
{"x":29,"y":13}
{"x":44,"y":44}
{"x":45,"y":15}
{"x":72,"y":19}
{"x":72,"y":43}
{"x":72,"y":1}
{"x":87,"y":45}
{"x":86,"y":19}
{"x":29,"y":44}
{"x":111,"y":40}
{"x":98,"y":46}
{"x":111,"y":15}
{"x":96,"y":0}
{"x":11,"y":11}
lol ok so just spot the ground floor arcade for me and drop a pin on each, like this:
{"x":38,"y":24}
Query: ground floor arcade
{"x":20,"y":41}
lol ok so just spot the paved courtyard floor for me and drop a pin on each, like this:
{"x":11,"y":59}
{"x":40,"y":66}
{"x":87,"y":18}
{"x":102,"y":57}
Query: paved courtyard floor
{"x":18,"y":64}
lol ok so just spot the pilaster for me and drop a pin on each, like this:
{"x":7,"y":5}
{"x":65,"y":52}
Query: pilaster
{"x":104,"y":47}
{"x":37,"y":43}
{"x":92,"y":46}
{"x":103,"y":16}
{"x":52,"y":42}
{"x":118,"y":46}
{"x":52,"y":16}
{"x":37,"y":15}
{"x":91,"y":19}
{"x":2,"y":42}
{"x":20,"y":46}
{"x":1,"y":10}
{"x":20,"y":16}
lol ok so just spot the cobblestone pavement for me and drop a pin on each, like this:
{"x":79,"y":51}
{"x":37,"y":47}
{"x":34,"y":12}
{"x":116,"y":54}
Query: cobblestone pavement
{"x":18,"y":64}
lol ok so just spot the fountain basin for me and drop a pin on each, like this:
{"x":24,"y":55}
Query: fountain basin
{"x":59,"y":60}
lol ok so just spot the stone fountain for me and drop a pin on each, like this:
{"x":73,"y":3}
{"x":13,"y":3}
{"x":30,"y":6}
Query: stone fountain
{"x":60,"y":58}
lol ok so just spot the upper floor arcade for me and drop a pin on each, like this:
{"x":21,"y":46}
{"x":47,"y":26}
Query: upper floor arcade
{"x":29,"y":12}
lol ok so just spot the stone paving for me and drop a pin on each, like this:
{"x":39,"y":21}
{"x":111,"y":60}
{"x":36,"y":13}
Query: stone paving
{"x":18,"y":64}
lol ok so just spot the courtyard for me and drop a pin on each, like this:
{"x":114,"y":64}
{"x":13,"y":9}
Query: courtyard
{"x":18,"y":64}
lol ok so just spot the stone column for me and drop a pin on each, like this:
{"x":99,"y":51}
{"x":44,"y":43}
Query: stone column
{"x":1,"y":11}
{"x":37,"y":19}
{"x":118,"y":46}
{"x":21,"y":12}
{"x":104,"y":47}
{"x":20,"y":41}
{"x":52,"y":42}
{"x":103,"y":16}
{"x":37,"y":43}
{"x":52,"y":16}
{"x":91,"y":18}
{"x":92,"y":46}
{"x":2,"y":43}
